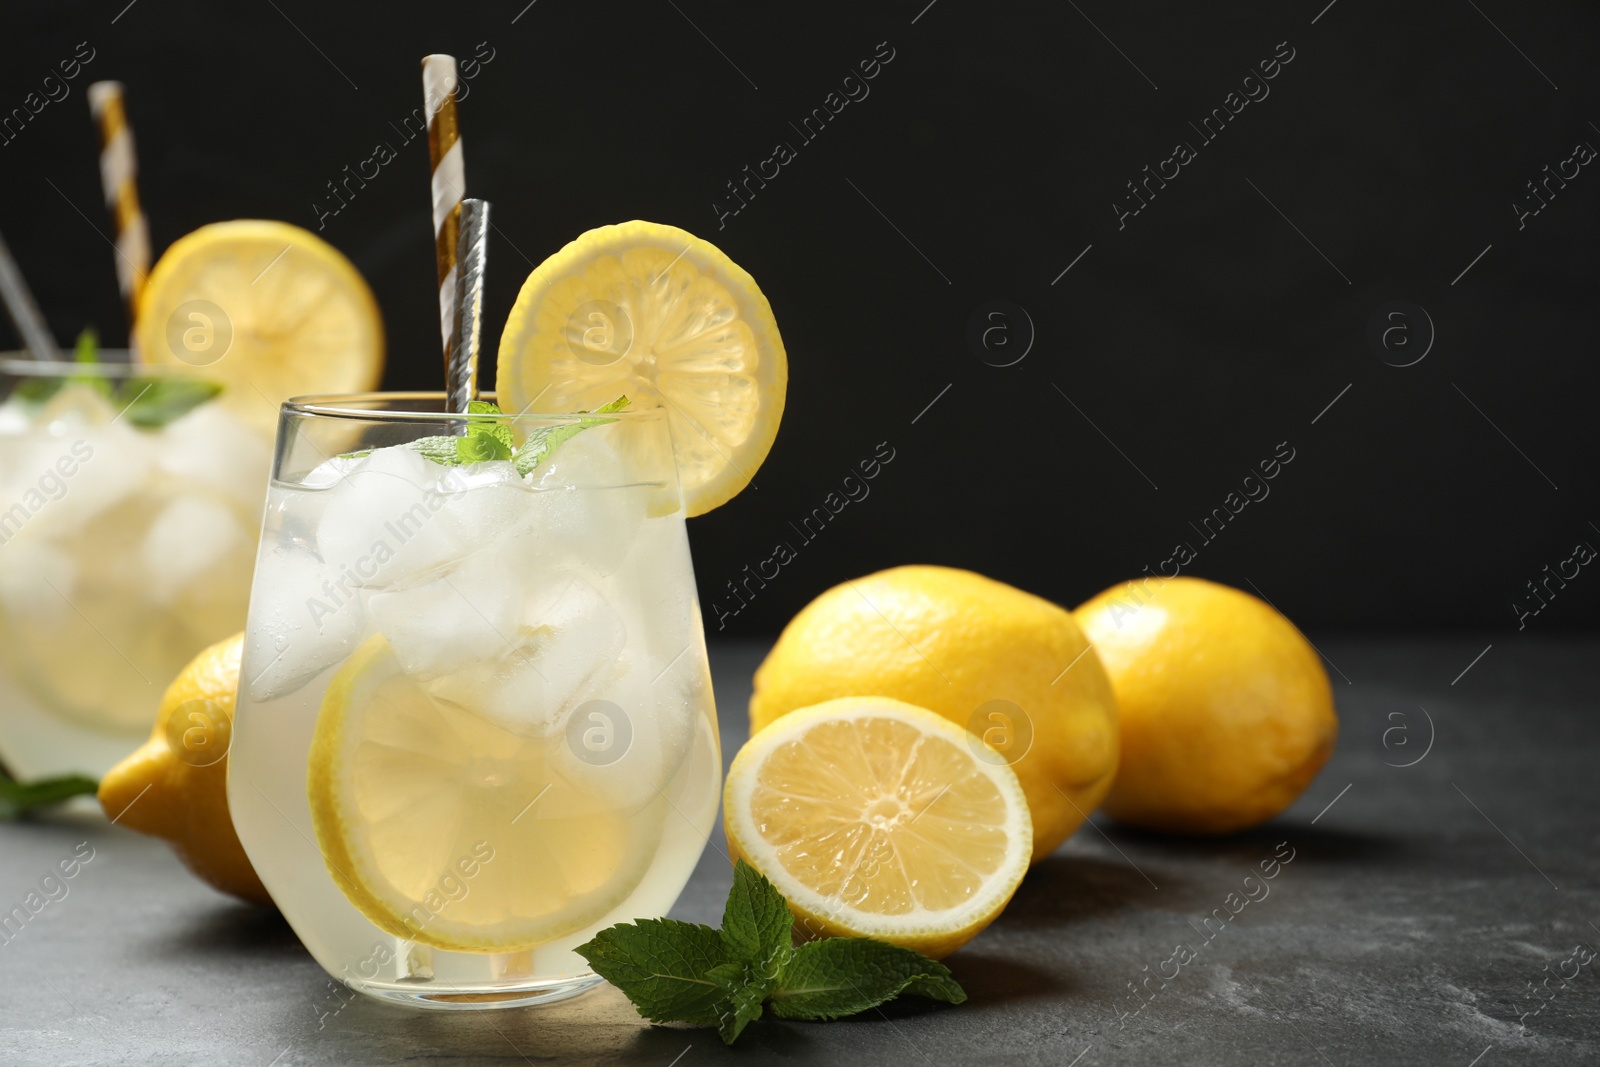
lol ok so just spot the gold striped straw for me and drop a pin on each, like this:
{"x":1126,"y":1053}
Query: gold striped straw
{"x":449,"y":184}
{"x":118,"y":172}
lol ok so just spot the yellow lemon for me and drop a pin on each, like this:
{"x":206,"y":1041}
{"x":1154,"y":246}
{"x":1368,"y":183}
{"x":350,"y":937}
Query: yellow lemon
{"x":267,"y":310}
{"x":1004,"y":664}
{"x":877,"y":818}
{"x":1226,"y":711}
{"x":656,"y":314}
{"x":175,"y":786}
{"x":448,"y":826}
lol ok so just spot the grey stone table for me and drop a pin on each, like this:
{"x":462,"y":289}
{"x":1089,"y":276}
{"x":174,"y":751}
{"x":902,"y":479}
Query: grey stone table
{"x":1427,"y":914}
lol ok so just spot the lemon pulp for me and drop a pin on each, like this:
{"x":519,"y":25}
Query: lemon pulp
{"x":882,"y":819}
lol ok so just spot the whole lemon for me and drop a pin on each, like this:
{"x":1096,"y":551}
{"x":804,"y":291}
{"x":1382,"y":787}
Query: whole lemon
{"x":1008,"y":666}
{"x":1225,"y":710}
{"x":175,"y":785}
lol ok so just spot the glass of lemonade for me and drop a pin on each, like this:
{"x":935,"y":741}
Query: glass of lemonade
{"x":130,"y":508}
{"x":475,"y":721}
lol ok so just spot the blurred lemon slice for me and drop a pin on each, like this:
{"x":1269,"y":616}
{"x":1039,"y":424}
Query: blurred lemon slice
{"x":877,"y":818}
{"x":445,"y":827}
{"x":266,"y":309}
{"x":658,"y":315}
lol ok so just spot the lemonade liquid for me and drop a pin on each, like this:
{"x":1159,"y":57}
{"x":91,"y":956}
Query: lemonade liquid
{"x":498,"y":685}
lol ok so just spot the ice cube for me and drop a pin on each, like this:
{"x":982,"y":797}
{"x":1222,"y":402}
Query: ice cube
{"x":77,"y":404}
{"x":380,"y":521}
{"x":482,"y":501}
{"x":37,"y":582}
{"x":511,"y":692}
{"x":567,"y":640}
{"x":22,"y":463}
{"x":210,"y":447}
{"x":582,"y":634}
{"x":14,"y":418}
{"x":302,"y":621}
{"x":188,"y":538}
{"x":619,"y":750}
{"x":658,"y":577}
{"x":107,"y":465}
{"x":586,"y":461}
{"x":328,"y":473}
{"x":589,"y":513}
{"x":590,"y":529}
{"x":291,"y":517}
{"x":469,"y":614}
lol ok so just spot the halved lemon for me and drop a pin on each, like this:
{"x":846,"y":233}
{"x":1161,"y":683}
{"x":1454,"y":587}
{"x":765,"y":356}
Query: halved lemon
{"x":656,"y":314}
{"x":877,"y":818}
{"x":267,"y":310}
{"x":444,"y":826}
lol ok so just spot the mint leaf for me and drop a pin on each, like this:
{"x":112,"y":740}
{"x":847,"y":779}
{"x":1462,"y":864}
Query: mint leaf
{"x":439,"y":449}
{"x":664,"y":967}
{"x":484,"y":442}
{"x":542,"y":440}
{"x":151,"y":403}
{"x":845,"y":975}
{"x":87,"y":350}
{"x":37,"y":390}
{"x":756,"y":922}
{"x":148,"y":403}
{"x":745,"y":989}
{"x":17,"y":798}
{"x":940,"y":986}
{"x":683,"y":972}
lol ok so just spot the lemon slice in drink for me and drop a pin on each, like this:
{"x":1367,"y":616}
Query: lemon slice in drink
{"x":445,"y":827}
{"x":877,"y":818}
{"x":267,"y":310}
{"x":656,"y":314}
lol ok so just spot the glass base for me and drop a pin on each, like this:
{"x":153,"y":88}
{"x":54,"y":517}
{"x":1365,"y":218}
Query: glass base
{"x":437,"y":995}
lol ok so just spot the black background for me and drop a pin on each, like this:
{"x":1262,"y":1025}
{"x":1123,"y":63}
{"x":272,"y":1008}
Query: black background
{"x":1176,"y":353}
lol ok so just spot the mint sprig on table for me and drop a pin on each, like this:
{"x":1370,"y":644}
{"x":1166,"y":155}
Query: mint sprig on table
{"x":486,"y":440}
{"x":17,"y":798}
{"x":683,"y":972}
{"x":147,"y":402}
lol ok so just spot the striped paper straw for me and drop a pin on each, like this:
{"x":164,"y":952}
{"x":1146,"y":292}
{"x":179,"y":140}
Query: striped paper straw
{"x":118,"y":171}
{"x":449,"y":184}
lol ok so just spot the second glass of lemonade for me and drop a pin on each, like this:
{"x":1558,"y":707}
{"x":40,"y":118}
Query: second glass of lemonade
{"x":475,"y":722}
{"x":130,"y":502}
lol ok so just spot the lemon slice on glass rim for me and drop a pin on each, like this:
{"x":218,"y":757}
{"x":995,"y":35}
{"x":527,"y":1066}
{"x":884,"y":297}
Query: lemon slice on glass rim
{"x":267,"y":310}
{"x":877,"y":818}
{"x":665,"y":318}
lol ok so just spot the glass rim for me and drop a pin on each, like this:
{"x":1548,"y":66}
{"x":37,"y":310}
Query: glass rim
{"x":21,"y":365}
{"x":346,"y":406}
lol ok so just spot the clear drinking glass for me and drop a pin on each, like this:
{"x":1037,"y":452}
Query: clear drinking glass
{"x":475,"y":722}
{"x":129,"y":515}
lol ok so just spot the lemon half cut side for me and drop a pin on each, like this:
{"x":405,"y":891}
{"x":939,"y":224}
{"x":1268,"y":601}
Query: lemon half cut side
{"x":877,"y":818}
